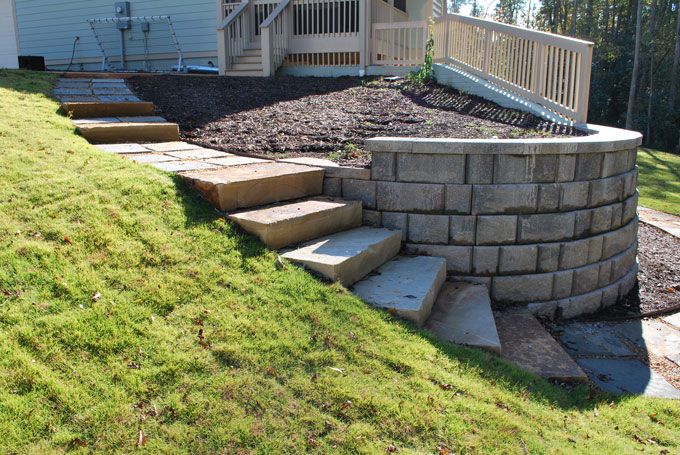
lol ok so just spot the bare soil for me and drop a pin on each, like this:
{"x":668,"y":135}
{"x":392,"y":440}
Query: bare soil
{"x":326,"y":117}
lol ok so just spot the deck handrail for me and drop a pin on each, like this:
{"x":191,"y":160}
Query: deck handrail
{"x":233,"y":15}
{"x":545,"y":68}
{"x":233,"y":35}
{"x":277,"y":11}
{"x":275,"y":33}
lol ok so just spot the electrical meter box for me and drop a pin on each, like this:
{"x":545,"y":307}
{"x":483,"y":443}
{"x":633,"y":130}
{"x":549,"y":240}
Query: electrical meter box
{"x":122,"y":9}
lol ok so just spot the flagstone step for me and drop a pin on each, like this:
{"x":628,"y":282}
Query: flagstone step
{"x":256,"y":184}
{"x":79,"y":110}
{"x":406,"y":286}
{"x":462,"y":314}
{"x":529,"y":346}
{"x":125,"y":132}
{"x":350,"y":255}
{"x":291,"y":223}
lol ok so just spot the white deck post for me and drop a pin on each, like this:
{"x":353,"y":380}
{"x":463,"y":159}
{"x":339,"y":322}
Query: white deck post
{"x":364,"y":33}
{"x":447,"y":27}
{"x":267,"y":44}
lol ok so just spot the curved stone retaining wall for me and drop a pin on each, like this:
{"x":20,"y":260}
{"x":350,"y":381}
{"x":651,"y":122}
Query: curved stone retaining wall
{"x":547,"y":223}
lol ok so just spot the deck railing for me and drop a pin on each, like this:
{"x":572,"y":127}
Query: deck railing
{"x":275,"y":31}
{"x":399,"y":43}
{"x":234,"y":34}
{"x":551,"y":70}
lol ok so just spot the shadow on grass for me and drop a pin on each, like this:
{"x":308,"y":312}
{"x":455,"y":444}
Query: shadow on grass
{"x":659,"y":160}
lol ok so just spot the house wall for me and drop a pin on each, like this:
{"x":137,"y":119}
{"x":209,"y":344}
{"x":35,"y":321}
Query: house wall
{"x":8,"y":38}
{"x":419,"y":10}
{"x":49,"y":27}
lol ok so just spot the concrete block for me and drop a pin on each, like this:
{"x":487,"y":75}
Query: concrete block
{"x":521,"y":288}
{"x":604,"y":274}
{"x":566,"y":167}
{"x":495,"y":199}
{"x":348,"y":256}
{"x":629,"y":181}
{"x":512,"y":169}
{"x":586,"y":279}
{"x":605,"y":191}
{"x":615,"y":242}
{"x":543,"y":168}
{"x":574,"y":196}
{"x":615,"y":163}
{"x":594,"y":248}
{"x":396,"y":196}
{"x":517,"y":259}
{"x":425,"y":168}
{"x":574,"y":254}
{"x":345,"y":172}
{"x":395,"y":220}
{"x":544,"y":310}
{"x":548,"y":198}
{"x":458,"y":198}
{"x":462,"y":230}
{"x":627,"y":283}
{"x":632,"y":158}
{"x":495,"y":230}
{"x":458,"y":258}
{"x":610,"y":295}
{"x":428,"y":228}
{"x":629,"y":208}
{"x":617,"y":215}
{"x":371,"y":218}
{"x":485,"y":260}
{"x":582,"y":304}
{"x":332,"y":187}
{"x":602,"y":219}
{"x":623,"y":262}
{"x":582,"y":223}
{"x":479,"y":169}
{"x":294,"y":222}
{"x":360,"y":190}
{"x":407,"y":286}
{"x":111,"y":133}
{"x":383,"y":166}
{"x":588,"y":166}
{"x":548,"y":257}
{"x":462,"y":314}
{"x":562,"y":284}
{"x":546,"y":227}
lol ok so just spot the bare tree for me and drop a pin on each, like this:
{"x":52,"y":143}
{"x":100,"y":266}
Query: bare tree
{"x":652,"y":39}
{"x":636,"y":67}
{"x":676,"y":63}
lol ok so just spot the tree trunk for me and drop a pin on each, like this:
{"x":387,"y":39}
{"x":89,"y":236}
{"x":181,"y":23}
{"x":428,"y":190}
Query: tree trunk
{"x":674,"y":70}
{"x":636,"y":67}
{"x":573,"y":20}
{"x":652,"y":38}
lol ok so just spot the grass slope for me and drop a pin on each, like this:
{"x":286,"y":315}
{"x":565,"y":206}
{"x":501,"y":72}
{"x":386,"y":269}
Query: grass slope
{"x":659,"y":180}
{"x":196,"y":339}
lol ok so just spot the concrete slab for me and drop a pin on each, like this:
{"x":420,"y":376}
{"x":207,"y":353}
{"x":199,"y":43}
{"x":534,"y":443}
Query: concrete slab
{"x":78,"y":99}
{"x":291,"y":223}
{"x":674,"y":320}
{"x":95,"y":121}
{"x":149,"y":158}
{"x":143,"y":119}
{"x":620,"y":376}
{"x":95,"y":109}
{"x":173,"y":146}
{"x":235,"y":160}
{"x":199,"y":154}
{"x":592,"y":339}
{"x":310,"y":161}
{"x":110,"y":133}
{"x":528,"y":345}
{"x":650,"y":336}
{"x":664,"y":221}
{"x":406,"y":286}
{"x":73,"y":91}
{"x":350,"y":255}
{"x":183,"y":166}
{"x":117,"y":98}
{"x":236,"y":187}
{"x":462,"y":314}
{"x":123,"y":148}
{"x":110,"y":89}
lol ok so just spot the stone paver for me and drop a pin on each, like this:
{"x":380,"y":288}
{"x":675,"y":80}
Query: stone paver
{"x":123,"y":148}
{"x":350,"y":255}
{"x":174,"y":146}
{"x":235,"y":160}
{"x":462,"y":314}
{"x":406,"y":286}
{"x":150,"y":158}
{"x":664,"y":221}
{"x":94,"y":90}
{"x":527,"y":344}
{"x":615,"y":354}
{"x":673,"y":319}
{"x":183,"y":166}
{"x":198,"y":154}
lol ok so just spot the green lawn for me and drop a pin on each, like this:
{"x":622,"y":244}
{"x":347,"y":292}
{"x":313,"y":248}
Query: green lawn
{"x":127,"y":304}
{"x":659,"y":180}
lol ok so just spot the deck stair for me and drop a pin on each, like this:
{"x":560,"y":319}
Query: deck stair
{"x":248,"y":64}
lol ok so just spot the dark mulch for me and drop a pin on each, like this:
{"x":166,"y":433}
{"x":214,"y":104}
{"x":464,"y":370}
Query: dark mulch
{"x":322,"y":116}
{"x":659,"y":276}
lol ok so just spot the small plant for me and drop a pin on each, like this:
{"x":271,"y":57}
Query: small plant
{"x":424,"y":73}
{"x":349,"y":152}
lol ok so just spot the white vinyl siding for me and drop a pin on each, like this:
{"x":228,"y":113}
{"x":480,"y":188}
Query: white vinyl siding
{"x":8,"y":37}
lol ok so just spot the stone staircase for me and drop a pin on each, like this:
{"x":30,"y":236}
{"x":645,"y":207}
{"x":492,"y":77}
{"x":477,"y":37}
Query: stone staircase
{"x":281,"y":203}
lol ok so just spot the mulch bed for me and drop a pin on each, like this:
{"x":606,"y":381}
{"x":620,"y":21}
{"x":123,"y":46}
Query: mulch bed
{"x":325,"y":117}
{"x":658,"y":279}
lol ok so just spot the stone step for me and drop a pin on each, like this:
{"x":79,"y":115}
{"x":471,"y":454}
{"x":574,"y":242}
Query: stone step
{"x":528,"y":345}
{"x":462,"y":314}
{"x":291,"y":223}
{"x":116,"y":109}
{"x":126,"y":132}
{"x":350,"y":255}
{"x":256,"y":184}
{"x":406,"y":286}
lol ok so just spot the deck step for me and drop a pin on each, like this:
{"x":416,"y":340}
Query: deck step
{"x":350,"y":255}
{"x":257,"y":59}
{"x":406,"y":286}
{"x":462,"y":314}
{"x":291,"y":223}
{"x":244,"y":73}
{"x":256,"y":184}
{"x":101,"y":132}
{"x":79,"y":110}
{"x":246,"y":67}
{"x":529,"y":346}
{"x":253,"y":51}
